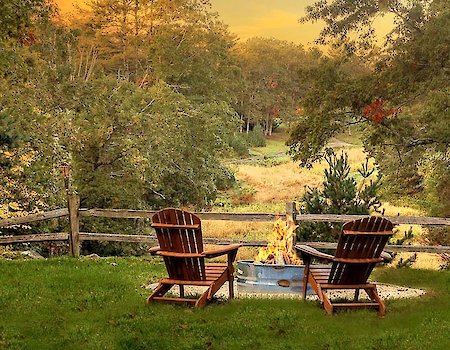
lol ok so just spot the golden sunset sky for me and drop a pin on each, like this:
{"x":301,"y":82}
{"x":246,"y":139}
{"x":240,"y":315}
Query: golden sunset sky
{"x":265,"y":18}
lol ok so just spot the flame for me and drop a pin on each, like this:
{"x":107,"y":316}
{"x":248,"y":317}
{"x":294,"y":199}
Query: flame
{"x":280,"y":249}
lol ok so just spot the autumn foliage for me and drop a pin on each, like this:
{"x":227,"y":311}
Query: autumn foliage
{"x":377,"y":112}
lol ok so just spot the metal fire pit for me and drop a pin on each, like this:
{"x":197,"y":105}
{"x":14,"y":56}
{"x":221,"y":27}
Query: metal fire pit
{"x":255,"y":277}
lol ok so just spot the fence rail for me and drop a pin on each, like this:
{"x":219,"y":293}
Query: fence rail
{"x":75,"y":237}
{"x":34,"y":217}
{"x":396,"y":220}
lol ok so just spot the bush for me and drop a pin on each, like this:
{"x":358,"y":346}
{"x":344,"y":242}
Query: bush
{"x":439,"y":236}
{"x":239,"y":144}
{"x":256,"y":137}
{"x":224,"y":178}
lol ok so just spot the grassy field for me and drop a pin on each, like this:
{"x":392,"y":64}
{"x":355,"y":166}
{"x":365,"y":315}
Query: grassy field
{"x":66,"y":303}
{"x":100,"y":303}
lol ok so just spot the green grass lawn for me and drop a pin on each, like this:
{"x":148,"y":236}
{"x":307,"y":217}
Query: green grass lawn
{"x":272,"y":147}
{"x":67,"y":303}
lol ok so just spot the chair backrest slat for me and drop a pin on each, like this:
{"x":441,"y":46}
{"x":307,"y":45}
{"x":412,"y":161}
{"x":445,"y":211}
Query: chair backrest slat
{"x":360,"y":239}
{"x":181,"y":233}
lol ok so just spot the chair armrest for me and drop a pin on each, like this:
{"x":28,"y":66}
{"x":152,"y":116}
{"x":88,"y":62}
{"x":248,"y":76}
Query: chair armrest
{"x":359,"y":261}
{"x":180,"y":255}
{"x":153,"y":250}
{"x":222,"y":250}
{"x":312,"y":252}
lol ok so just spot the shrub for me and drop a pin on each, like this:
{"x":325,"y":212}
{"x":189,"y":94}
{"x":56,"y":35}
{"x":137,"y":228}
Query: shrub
{"x":439,"y":236}
{"x":256,"y":137}
{"x":239,"y":144}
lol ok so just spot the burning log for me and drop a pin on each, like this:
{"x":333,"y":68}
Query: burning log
{"x":280,"y":249}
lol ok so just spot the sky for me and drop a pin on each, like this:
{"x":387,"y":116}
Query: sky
{"x":267,"y":18}
{"x":264,"y":18}
{"x":249,"y":18}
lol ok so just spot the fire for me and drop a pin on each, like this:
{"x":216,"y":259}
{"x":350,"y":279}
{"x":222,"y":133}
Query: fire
{"x":280,"y":249}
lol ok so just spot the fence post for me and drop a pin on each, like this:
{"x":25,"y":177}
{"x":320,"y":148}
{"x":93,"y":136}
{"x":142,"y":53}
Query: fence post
{"x":291,"y":211}
{"x":74,"y":230}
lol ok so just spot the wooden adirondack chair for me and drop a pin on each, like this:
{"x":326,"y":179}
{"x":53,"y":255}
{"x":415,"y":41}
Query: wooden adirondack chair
{"x":181,"y":246}
{"x":360,"y":248}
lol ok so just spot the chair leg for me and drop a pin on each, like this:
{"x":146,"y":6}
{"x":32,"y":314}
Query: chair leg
{"x":203,"y":300}
{"x":305,"y":276}
{"x":181,"y":291}
{"x":327,"y":303}
{"x":373,"y":294}
{"x":159,"y":291}
{"x":230,"y":284}
{"x":356,"y":297}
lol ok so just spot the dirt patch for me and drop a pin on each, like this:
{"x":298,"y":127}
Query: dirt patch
{"x":336,"y":143}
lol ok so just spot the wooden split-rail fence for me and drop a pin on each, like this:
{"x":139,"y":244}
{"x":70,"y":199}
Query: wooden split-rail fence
{"x":74,"y":237}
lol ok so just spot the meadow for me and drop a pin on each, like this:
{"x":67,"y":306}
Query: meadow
{"x":265,"y":186}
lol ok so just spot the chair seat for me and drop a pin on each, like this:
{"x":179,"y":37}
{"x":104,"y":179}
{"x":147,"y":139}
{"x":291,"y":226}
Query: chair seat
{"x":213,"y":272}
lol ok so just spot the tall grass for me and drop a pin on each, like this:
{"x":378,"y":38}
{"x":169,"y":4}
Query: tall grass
{"x":286,"y":182}
{"x":279,"y":184}
{"x":86,"y":303}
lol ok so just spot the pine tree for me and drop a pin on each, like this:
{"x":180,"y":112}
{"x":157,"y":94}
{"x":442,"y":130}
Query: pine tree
{"x":341,"y":194}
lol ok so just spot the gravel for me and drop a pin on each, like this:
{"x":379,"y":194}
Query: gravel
{"x":385,"y":291}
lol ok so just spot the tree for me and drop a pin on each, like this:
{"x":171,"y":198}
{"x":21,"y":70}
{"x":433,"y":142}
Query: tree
{"x":400,"y":104}
{"x":29,"y":181}
{"x":341,"y":194}
{"x":19,"y":18}
{"x":177,"y":42}
{"x":137,"y":148}
{"x":335,"y":94}
{"x":270,"y":68}
{"x":129,"y":144}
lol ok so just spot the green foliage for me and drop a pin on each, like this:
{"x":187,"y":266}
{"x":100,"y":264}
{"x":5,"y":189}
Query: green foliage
{"x":400,"y":99}
{"x":29,"y":180}
{"x":408,"y":262}
{"x":340,"y":195}
{"x":268,"y":162}
{"x":325,"y":112}
{"x":180,"y":43}
{"x":439,"y":236}
{"x":153,"y":149}
{"x":273,"y":90}
{"x":256,"y":138}
{"x":106,"y":249}
{"x":130,"y":143}
{"x":19,"y":18}
{"x":407,"y":236}
{"x":239,"y":144}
